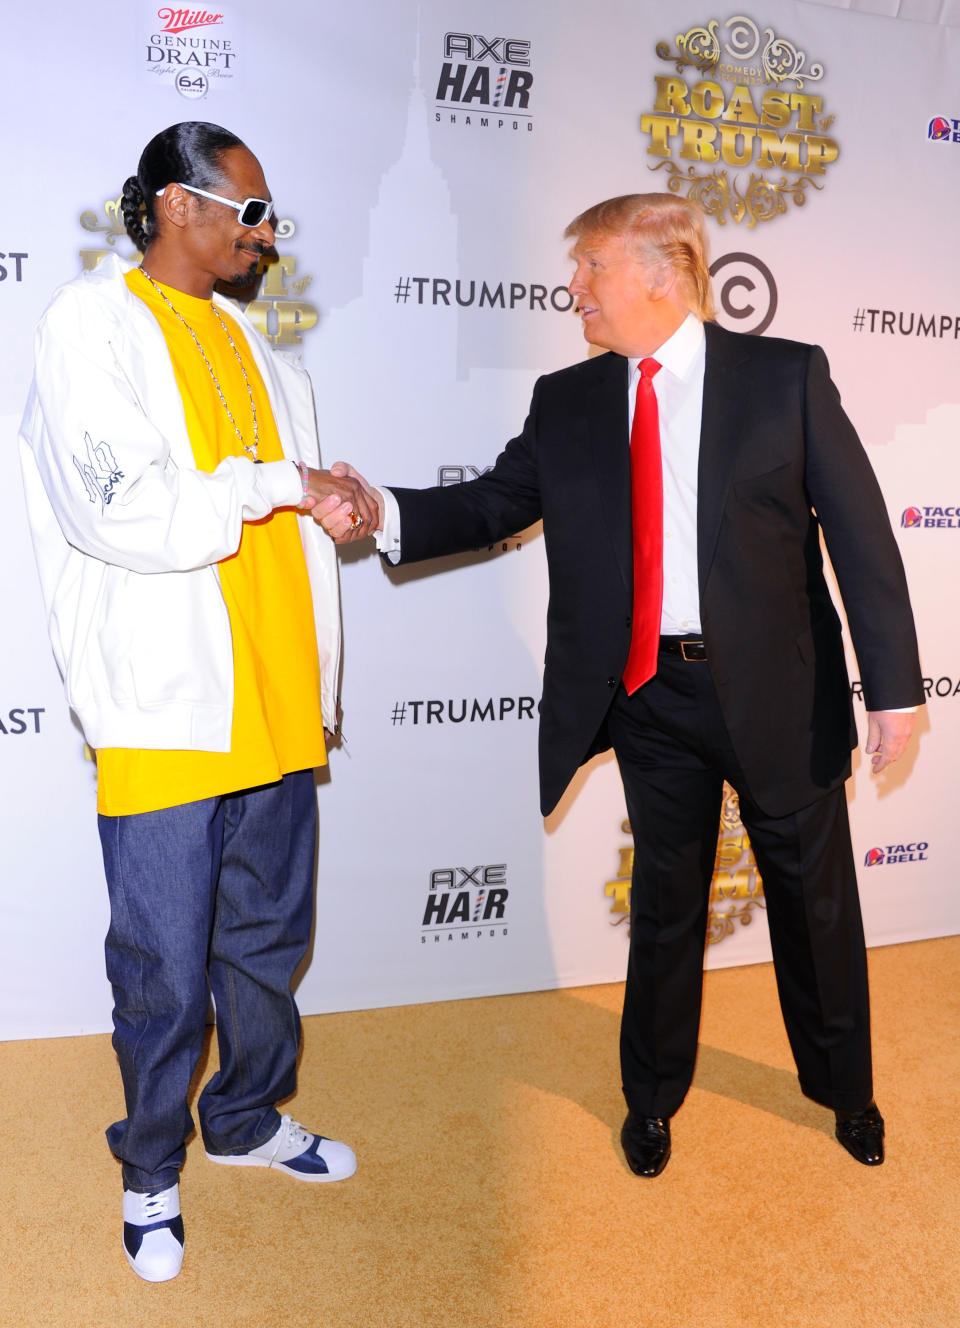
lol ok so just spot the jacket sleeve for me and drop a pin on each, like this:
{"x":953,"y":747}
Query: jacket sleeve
{"x":475,"y":513}
{"x":107,"y":469}
{"x":863,"y":550}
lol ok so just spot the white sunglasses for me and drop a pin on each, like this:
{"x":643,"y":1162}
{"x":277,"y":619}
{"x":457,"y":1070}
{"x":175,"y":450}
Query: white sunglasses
{"x":253,"y":211}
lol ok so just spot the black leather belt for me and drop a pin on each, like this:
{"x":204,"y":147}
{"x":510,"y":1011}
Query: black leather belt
{"x":688,"y":648}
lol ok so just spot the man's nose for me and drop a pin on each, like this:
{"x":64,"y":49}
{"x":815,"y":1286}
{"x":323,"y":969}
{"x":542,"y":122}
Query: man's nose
{"x":265,"y":232}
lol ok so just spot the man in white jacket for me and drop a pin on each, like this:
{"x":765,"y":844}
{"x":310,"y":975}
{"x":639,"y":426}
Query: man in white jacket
{"x":169,"y":457}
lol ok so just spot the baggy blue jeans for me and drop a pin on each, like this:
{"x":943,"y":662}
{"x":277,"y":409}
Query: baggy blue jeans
{"x":217,"y":892}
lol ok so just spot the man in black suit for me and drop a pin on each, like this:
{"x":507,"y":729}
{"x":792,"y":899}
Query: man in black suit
{"x":744,"y":676}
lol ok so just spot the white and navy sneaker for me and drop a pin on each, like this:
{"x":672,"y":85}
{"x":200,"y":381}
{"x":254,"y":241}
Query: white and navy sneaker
{"x":153,"y":1233}
{"x":297,"y":1152}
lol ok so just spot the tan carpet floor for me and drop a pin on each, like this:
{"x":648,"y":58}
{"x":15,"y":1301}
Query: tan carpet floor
{"x":492,"y":1190}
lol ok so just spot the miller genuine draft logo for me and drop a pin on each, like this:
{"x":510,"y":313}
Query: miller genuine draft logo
{"x":185,"y":20}
{"x":191,"y":49}
{"x":736,"y":888}
{"x":735,"y":122}
{"x":278,"y":308}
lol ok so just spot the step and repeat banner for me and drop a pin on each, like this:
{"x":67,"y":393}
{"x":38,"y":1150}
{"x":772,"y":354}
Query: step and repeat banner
{"x":425,"y":158}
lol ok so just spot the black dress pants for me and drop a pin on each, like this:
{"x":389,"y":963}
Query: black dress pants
{"x":674,"y":754}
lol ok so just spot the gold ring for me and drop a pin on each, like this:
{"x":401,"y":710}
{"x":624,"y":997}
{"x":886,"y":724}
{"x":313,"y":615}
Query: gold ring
{"x":356,"y":520}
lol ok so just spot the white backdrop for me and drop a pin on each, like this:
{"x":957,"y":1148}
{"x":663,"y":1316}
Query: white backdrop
{"x":425,"y":163}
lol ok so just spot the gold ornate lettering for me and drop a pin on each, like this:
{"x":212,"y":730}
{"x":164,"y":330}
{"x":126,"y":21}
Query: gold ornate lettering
{"x":671,"y":96}
{"x":740,"y":107}
{"x":698,"y":141}
{"x":660,"y":128}
{"x":707,"y":99}
{"x":717,"y":120}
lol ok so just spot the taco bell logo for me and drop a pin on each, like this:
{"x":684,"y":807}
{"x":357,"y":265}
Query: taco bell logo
{"x":892,"y":855}
{"x":940,"y":130}
{"x":931,"y":518}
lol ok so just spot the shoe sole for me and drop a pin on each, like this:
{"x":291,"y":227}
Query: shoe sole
{"x":245,"y":1160}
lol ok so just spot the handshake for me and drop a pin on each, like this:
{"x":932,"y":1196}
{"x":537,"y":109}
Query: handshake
{"x":343,"y":503}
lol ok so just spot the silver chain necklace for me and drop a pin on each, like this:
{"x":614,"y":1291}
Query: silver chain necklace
{"x":251,"y":450}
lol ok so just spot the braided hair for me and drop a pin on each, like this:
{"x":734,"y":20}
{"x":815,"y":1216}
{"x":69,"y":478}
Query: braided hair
{"x":188,"y":153}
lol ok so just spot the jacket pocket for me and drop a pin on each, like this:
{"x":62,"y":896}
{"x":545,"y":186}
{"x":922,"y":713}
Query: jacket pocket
{"x":165,"y":637}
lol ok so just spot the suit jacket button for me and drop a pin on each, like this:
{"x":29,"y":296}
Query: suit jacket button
{"x":629,"y":620}
{"x":611,"y":682}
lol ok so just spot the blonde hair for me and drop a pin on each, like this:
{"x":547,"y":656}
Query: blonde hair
{"x":662,"y":229}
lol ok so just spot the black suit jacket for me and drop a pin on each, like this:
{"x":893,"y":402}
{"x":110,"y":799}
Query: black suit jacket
{"x":779,"y":460}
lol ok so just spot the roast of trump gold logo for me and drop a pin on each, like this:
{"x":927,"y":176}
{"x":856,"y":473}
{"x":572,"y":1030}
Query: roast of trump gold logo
{"x":739,"y":121}
{"x":275,"y":307}
{"x":736,"y":888}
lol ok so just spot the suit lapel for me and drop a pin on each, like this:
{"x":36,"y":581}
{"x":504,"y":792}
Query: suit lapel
{"x":720,"y":431}
{"x":605,"y":420}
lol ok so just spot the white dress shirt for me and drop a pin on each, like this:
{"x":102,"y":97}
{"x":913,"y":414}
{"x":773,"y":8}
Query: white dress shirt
{"x":679,"y":391}
{"x":387,"y":538}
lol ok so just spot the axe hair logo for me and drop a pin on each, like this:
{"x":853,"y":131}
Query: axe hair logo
{"x":466,"y":903}
{"x":485,"y":81}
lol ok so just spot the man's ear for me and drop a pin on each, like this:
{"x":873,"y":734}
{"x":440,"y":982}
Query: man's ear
{"x":663,"y":279}
{"x":174,"y":205}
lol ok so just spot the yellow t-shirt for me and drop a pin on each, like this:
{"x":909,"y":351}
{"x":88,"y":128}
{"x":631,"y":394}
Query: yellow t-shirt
{"x":277,"y":722}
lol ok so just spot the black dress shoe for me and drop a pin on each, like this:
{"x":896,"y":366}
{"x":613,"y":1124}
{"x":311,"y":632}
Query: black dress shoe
{"x":861,"y":1133}
{"x":646,"y":1144}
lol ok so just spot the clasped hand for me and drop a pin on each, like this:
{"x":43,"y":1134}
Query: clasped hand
{"x":337,"y":495}
{"x":342,"y":502}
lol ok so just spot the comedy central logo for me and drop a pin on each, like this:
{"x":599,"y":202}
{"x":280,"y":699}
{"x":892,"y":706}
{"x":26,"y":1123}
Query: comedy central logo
{"x":746,"y":292}
{"x":191,"y":59}
{"x":484,"y":82}
{"x":465,"y":903}
{"x":743,"y":105}
{"x":892,"y":855}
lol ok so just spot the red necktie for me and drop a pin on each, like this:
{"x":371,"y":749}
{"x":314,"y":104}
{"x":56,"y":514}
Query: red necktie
{"x":646,"y":492}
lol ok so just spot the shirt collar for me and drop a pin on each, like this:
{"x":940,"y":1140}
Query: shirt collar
{"x":679,"y":352}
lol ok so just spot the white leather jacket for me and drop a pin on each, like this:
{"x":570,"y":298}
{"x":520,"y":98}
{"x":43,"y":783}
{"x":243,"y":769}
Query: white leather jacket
{"x":128,"y":533}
